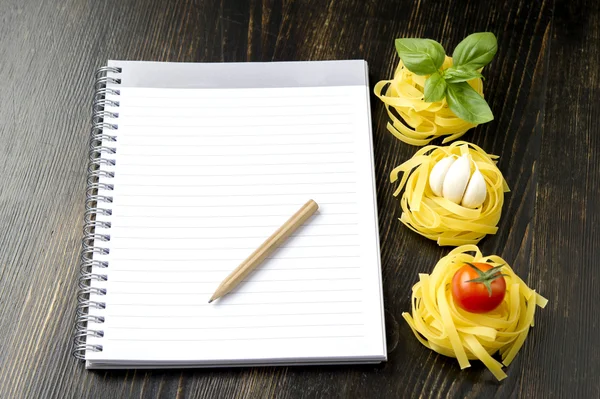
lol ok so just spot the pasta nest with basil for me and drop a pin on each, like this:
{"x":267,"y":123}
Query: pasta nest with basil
{"x":423,"y":121}
{"x":438,"y":218}
{"x":445,"y":328}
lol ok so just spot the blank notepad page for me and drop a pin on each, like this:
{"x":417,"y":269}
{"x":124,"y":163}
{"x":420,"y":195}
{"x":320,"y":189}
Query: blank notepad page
{"x":202,"y":177}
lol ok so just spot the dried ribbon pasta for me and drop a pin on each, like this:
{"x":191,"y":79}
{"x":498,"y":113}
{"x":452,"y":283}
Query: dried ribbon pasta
{"x":442,"y":220}
{"x":451,"y":331}
{"x":423,"y":121}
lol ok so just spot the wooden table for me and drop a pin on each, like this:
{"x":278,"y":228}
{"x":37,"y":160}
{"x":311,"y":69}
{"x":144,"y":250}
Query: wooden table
{"x":543,"y":87}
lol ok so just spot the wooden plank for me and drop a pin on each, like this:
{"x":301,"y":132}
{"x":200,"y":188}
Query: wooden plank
{"x":564,"y":244}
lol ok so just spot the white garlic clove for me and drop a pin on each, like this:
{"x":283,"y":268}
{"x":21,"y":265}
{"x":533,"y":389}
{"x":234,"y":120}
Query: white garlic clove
{"x":456,"y":179}
{"x":438,"y":173}
{"x":476,"y":191}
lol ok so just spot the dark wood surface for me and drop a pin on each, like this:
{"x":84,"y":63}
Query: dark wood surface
{"x":543,"y":87}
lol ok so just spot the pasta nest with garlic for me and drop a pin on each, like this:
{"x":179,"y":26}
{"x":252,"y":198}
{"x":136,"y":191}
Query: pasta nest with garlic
{"x":438,"y":218}
{"x":445,"y":328}
{"x":423,"y":121}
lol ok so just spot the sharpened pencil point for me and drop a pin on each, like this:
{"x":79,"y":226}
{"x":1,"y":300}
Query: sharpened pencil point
{"x":210,"y":300}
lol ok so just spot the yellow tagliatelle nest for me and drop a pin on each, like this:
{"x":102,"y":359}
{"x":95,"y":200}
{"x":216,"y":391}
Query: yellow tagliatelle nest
{"x":438,"y":218}
{"x":423,"y":121}
{"x":443,"y":327}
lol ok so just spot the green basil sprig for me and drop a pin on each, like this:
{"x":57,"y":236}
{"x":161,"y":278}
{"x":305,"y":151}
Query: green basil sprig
{"x":426,"y":56}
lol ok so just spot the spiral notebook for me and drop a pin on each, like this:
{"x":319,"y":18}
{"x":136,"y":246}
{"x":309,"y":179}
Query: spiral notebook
{"x":191,"y":167}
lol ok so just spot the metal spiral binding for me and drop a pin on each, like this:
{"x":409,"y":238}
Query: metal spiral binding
{"x":100,"y":135}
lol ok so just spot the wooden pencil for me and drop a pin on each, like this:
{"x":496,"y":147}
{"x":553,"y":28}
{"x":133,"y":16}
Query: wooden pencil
{"x":266,"y":248}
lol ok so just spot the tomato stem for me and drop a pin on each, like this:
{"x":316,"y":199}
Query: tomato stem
{"x":487,"y":277}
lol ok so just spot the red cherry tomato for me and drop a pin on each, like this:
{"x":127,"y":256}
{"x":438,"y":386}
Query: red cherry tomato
{"x":478,"y":287}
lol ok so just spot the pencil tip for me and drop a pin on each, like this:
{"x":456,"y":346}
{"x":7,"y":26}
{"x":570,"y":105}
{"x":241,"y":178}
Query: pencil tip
{"x":210,"y":300}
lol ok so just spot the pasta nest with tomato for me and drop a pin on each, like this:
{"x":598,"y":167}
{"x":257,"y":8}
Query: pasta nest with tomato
{"x":440,"y":219}
{"x":421,"y":121}
{"x":440,"y":325}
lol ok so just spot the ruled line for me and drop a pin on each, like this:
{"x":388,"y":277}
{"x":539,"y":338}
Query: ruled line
{"x":229,"y":269}
{"x":236,"y":195}
{"x":229,"y":106}
{"x":231,"y":339}
{"x":232,"y":145}
{"x":230,"y":237}
{"x":311,"y":152}
{"x":229,"y":259}
{"x":228,"y":315}
{"x":218,"y":216}
{"x":237,"y":173}
{"x":228,"y":304}
{"x":213,"y":98}
{"x":254,"y":280}
{"x":121,"y":124}
{"x":232,"y":115}
{"x":228,"y":248}
{"x":222,"y":227}
{"x":202,"y":134}
{"x":237,"y":184}
{"x":211,"y":292}
{"x":224,"y":206}
{"x":241,"y":164}
{"x":237,"y":327}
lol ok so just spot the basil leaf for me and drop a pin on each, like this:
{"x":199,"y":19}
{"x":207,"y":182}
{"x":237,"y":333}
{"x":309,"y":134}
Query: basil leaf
{"x":421,"y":56}
{"x":467,"y":104}
{"x":475,"y":51}
{"x":457,"y":74}
{"x":435,"y":88}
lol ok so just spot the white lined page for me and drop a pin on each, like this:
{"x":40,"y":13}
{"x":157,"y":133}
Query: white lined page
{"x":202,"y":178}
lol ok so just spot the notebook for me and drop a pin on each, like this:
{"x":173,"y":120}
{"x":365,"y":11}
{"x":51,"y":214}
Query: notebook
{"x":192,"y":166}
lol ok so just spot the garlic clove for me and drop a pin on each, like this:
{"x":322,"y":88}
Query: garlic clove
{"x":456,"y":179}
{"x":438,"y":173}
{"x":476,"y":191}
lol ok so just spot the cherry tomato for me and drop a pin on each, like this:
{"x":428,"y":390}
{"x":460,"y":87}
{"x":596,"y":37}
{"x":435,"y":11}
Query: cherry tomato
{"x":478,"y":287}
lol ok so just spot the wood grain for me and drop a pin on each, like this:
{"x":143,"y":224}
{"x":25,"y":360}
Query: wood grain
{"x":542,"y":86}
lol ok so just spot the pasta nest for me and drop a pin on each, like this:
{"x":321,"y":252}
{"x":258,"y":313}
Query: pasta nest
{"x":450,"y":331}
{"x":442,"y":220}
{"x":423,"y":121}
